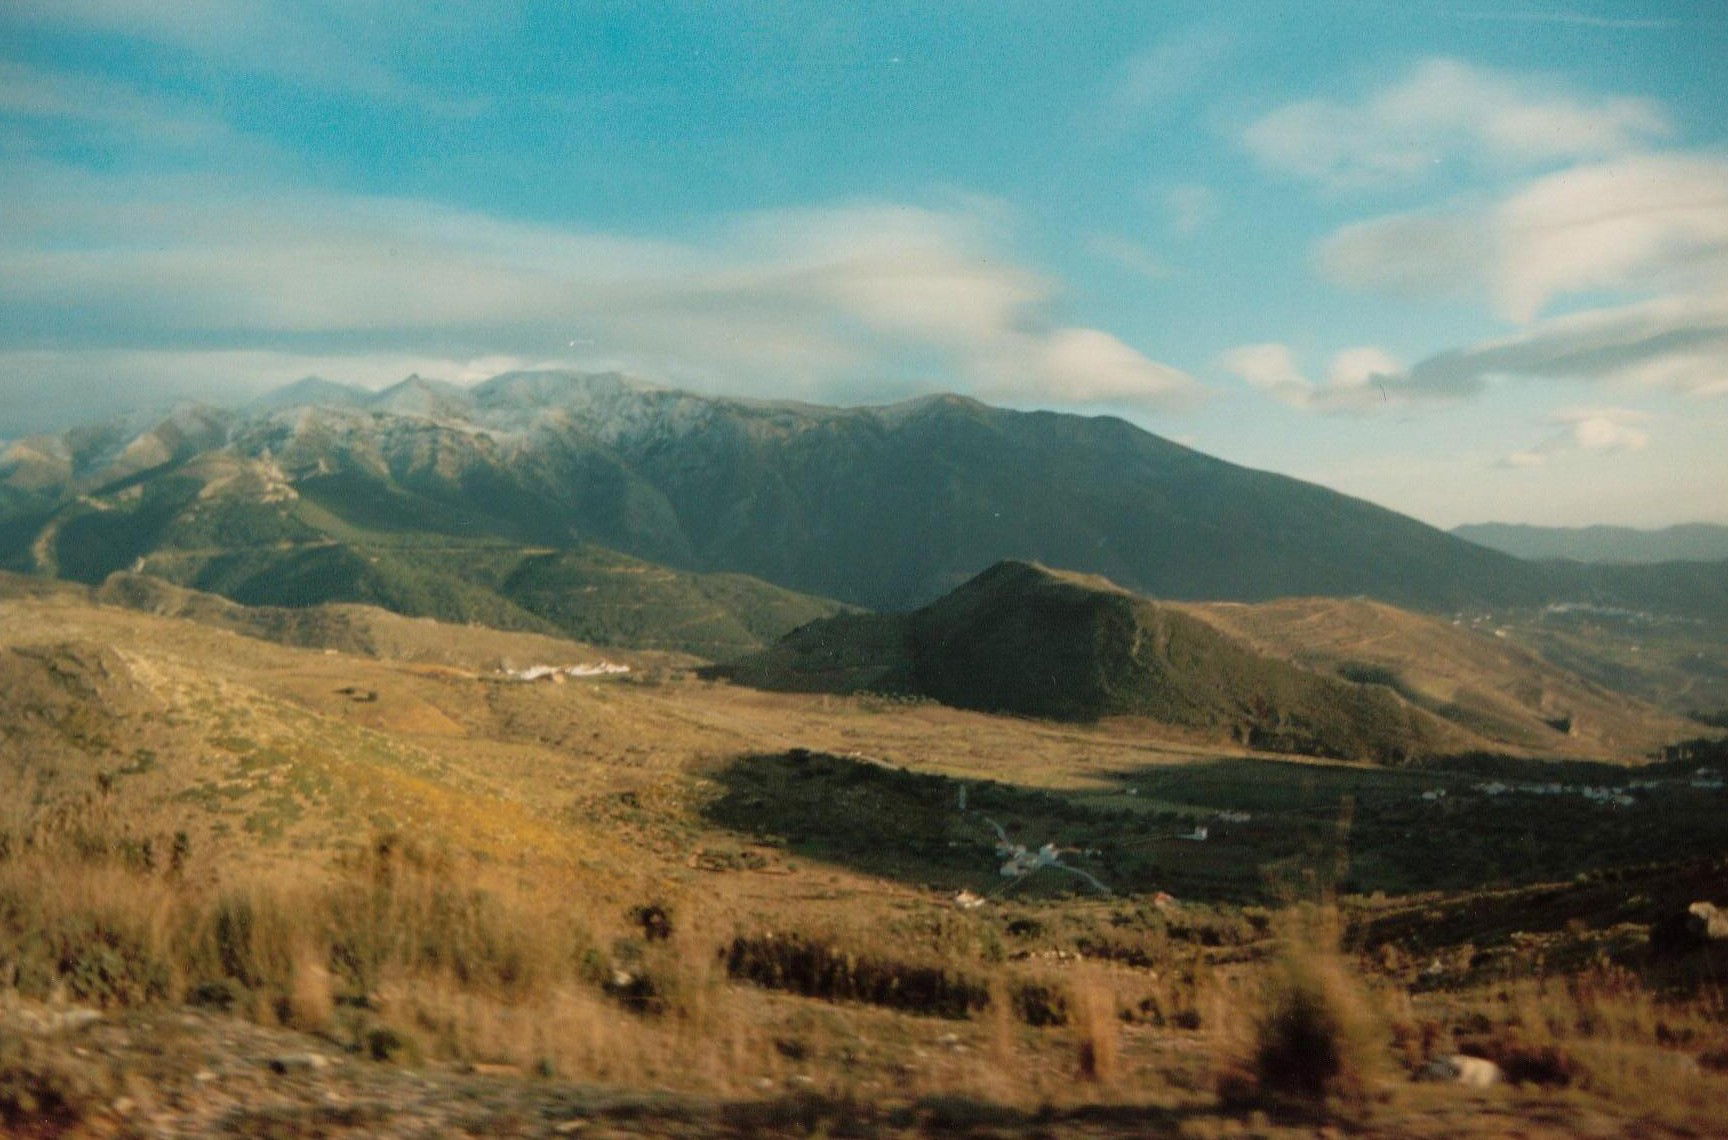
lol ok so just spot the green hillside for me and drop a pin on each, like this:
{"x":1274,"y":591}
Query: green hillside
{"x":231,"y":527}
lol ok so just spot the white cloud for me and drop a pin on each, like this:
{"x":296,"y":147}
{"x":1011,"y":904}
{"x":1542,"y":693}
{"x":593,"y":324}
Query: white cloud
{"x":1638,"y":222}
{"x":1641,"y":224}
{"x":1355,"y":378}
{"x":1675,"y":343}
{"x":801,"y":300}
{"x":1444,"y":110}
{"x":1650,"y":220}
{"x":1088,"y":366}
{"x":1602,"y":431}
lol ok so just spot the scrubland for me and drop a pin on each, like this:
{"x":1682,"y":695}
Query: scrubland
{"x":659,"y":905}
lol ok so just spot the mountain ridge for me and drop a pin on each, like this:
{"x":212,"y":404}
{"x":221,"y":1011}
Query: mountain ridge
{"x":883,"y":507}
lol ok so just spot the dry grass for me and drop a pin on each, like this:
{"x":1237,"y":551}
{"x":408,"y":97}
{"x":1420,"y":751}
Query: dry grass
{"x":497,"y":925}
{"x":1097,"y":1029}
{"x":1315,"y":1038}
{"x":1606,"y":1031}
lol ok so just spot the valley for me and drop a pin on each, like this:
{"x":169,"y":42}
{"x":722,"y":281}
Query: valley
{"x":170,"y":756}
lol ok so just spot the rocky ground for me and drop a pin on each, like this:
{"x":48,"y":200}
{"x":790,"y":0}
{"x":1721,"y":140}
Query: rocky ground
{"x":74,"y":1072}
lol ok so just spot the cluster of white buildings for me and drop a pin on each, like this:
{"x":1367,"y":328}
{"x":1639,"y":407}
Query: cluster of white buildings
{"x":1705,"y":779}
{"x":559,"y":672}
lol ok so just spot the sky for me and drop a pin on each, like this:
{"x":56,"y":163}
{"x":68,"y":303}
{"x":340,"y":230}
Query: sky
{"x":1468,"y":259}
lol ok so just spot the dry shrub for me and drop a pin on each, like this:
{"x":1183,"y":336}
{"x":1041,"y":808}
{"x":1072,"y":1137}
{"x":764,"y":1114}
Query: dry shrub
{"x":311,"y":995}
{"x":92,"y":931}
{"x":818,"y":967}
{"x":1000,"y":1012}
{"x":1315,"y":1039}
{"x":1177,"y":997}
{"x":1097,"y":1030}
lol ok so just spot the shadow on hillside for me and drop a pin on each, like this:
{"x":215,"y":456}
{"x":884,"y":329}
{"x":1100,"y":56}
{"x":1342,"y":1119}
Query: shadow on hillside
{"x":1273,"y":829}
{"x":1460,"y":823}
{"x":910,"y":827}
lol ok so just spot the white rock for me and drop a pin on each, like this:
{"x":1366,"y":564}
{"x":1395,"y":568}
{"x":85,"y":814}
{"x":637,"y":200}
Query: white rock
{"x":1457,"y":1068}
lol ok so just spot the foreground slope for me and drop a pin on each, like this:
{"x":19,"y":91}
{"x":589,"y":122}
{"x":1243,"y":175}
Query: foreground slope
{"x":316,"y":892}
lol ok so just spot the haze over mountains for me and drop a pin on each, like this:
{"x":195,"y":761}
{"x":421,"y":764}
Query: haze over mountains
{"x":1691,"y":542}
{"x":511,"y":502}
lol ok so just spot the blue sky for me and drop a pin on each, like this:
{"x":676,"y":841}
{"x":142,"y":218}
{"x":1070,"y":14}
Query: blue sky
{"x":1468,"y":260}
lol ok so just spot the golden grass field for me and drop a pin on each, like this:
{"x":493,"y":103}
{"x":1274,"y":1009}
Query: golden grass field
{"x":407,"y":858}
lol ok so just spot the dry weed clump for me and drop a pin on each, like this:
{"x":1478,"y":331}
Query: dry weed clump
{"x":1315,"y":1039}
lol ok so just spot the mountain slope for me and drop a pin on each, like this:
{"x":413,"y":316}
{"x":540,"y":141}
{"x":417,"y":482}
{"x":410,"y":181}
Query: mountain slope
{"x":1486,"y":684}
{"x":249,"y":530}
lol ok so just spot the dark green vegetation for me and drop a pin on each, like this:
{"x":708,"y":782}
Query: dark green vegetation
{"x":1023,"y":639}
{"x":881,"y":507}
{"x":1692,"y":542}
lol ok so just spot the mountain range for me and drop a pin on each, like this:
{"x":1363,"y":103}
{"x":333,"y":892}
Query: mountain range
{"x":543,"y":500}
{"x":1689,"y":542}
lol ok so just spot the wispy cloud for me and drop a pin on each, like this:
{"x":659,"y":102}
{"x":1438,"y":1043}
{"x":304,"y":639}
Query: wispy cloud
{"x":795,"y":300}
{"x":1441,"y":111}
{"x":1600,"y":431}
{"x":1570,"y":18}
{"x":1156,"y":81}
{"x":93,"y":108}
{"x":1189,"y":208}
{"x":47,"y":389}
{"x":342,"y":47}
{"x":1128,"y":254}
{"x":1641,"y":222}
{"x":1355,"y":380}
